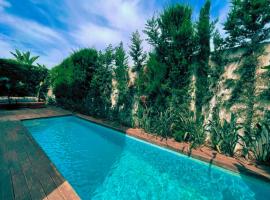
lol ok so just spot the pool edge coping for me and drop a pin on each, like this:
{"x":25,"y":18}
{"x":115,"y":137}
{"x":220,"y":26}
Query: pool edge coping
{"x":241,"y":169}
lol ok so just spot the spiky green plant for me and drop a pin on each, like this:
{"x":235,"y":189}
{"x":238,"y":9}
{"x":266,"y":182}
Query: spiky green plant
{"x":163,"y":126}
{"x":224,"y":135}
{"x":190,"y":129}
{"x":257,"y":143}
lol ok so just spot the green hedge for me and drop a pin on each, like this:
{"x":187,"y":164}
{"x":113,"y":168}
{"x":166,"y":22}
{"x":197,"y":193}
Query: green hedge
{"x":18,"y":79}
{"x":82,"y":82}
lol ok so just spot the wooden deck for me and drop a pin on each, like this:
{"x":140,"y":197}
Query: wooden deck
{"x":25,"y":170}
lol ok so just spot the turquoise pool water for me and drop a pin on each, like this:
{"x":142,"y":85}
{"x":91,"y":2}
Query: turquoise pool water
{"x":101,"y":163}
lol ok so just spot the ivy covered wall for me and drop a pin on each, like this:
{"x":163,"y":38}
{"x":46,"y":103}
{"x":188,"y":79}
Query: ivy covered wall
{"x":230,"y":94}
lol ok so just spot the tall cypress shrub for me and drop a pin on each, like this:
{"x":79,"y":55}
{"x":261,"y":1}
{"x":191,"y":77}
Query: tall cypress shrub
{"x":202,"y":59}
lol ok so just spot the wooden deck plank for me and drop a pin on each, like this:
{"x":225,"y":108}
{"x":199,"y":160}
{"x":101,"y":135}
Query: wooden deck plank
{"x":37,"y":161}
{"x":40,"y":163}
{"x":26,"y":172}
{"x":35,"y":187}
{"x":3,"y":149}
{"x":6,"y":188}
{"x":21,"y":190}
{"x":64,"y":187}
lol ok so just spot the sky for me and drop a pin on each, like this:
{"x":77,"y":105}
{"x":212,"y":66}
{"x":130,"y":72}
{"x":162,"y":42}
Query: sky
{"x":53,"y":29}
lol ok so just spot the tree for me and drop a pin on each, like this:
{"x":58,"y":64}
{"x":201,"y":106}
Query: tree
{"x":71,"y":79}
{"x":218,"y":41}
{"x":172,"y":36}
{"x":125,"y":97}
{"x":176,"y":49}
{"x":248,"y":22}
{"x":152,"y":83}
{"x":107,"y":57}
{"x":101,"y":85}
{"x":248,"y":26}
{"x":136,"y":51}
{"x":43,"y":77}
{"x":121,"y":73}
{"x":152,"y":30}
{"x":98,"y":99}
{"x":164,"y":82}
{"x":24,"y":57}
{"x":204,"y":29}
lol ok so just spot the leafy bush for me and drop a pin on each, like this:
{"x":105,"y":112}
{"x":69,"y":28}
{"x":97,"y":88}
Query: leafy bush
{"x":51,"y":101}
{"x":75,"y":73}
{"x":189,"y":129}
{"x":82,"y":82}
{"x":163,"y":124}
{"x":224,"y":135}
{"x":257,"y":143}
{"x":18,"y":79}
{"x":174,"y":122}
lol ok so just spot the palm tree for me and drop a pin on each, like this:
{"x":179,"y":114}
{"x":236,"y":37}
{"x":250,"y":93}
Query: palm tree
{"x":24,"y":57}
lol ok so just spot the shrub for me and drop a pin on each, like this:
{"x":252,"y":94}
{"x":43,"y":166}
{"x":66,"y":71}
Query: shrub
{"x":257,"y":143}
{"x":17,"y":79}
{"x":51,"y":101}
{"x":190,"y":129}
{"x":82,"y":83}
{"x":174,"y":122}
{"x":224,"y":135}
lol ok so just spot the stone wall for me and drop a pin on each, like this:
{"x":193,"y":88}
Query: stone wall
{"x":223,"y":91}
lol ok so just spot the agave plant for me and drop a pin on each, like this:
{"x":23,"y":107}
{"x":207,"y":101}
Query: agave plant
{"x":165,"y":120}
{"x":257,"y":142}
{"x":199,"y":133}
{"x":143,"y":118}
{"x":189,"y":129}
{"x":224,"y":135}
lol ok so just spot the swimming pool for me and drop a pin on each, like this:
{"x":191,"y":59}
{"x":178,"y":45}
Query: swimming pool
{"x":101,"y":163}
